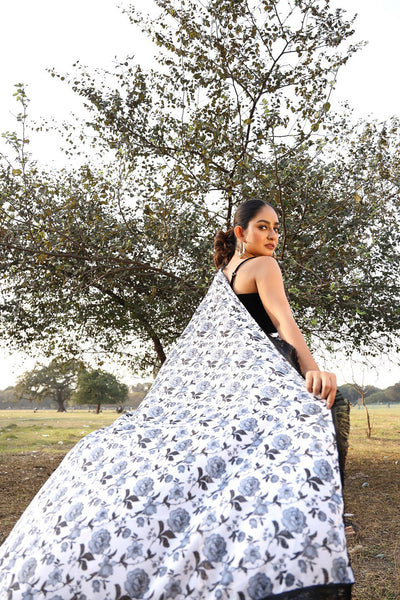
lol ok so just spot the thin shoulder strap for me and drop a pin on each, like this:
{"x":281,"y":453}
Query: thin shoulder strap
{"x":232,"y":281}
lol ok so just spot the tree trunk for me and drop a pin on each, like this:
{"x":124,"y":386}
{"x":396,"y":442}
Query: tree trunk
{"x":158,"y":347}
{"x":369,"y":426}
{"x":60,"y":402}
{"x":98,"y":409}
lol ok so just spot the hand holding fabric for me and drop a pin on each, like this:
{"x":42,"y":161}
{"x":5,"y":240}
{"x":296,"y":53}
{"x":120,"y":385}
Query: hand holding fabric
{"x":323,"y":384}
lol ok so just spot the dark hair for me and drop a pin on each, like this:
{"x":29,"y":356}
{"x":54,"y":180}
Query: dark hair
{"x":225,"y":241}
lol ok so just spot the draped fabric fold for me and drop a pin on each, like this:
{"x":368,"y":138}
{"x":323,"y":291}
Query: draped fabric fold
{"x":223,"y":484}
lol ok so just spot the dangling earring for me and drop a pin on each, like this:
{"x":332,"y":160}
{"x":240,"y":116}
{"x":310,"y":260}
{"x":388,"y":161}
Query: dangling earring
{"x":242,"y":249}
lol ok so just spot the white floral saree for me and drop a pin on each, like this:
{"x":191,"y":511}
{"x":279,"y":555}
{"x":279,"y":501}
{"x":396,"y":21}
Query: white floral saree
{"x":224,"y":484}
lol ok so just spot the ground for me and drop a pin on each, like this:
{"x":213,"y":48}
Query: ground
{"x":372,"y":494}
{"x":21,"y":476}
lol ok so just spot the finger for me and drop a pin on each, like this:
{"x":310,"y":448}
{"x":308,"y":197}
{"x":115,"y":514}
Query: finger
{"x":329,"y":390}
{"x":331,"y":398}
{"x":309,"y":381}
{"x":317,"y":383}
{"x":332,"y":394}
{"x":326,"y":385}
{"x":329,"y":384}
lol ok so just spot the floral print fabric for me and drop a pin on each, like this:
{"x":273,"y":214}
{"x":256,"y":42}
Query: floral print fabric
{"x":223,"y":484}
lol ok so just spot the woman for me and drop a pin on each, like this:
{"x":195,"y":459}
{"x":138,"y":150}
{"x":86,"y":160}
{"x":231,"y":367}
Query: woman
{"x":256,"y":230}
{"x":223,"y":484}
{"x":260,"y":288}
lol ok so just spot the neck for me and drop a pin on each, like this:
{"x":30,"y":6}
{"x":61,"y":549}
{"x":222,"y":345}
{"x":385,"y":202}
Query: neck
{"x":245,"y":255}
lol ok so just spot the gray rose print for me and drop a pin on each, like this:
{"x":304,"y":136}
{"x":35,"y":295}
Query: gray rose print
{"x":224,"y":483}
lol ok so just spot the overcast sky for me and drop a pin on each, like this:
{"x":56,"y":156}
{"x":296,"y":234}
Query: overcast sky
{"x":41,"y":34}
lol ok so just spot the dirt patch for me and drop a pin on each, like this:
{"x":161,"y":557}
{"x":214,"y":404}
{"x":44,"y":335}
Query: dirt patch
{"x":21,"y":477}
{"x":372,"y":493}
{"x":374,"y":549}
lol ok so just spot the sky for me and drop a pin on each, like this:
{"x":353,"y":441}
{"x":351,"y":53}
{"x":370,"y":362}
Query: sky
{"x":44,"y":34}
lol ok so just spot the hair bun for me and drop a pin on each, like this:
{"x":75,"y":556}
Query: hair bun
{"x":224,"y":247}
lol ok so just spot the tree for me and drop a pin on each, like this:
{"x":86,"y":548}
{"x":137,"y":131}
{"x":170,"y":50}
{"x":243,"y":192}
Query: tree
{"x":98,"y":387}
{"x":377,"y":398}
{"x":238,"y":107}
{"x":392,"y":393}
{"x":6,"y":397}
{"x":55,"y":381}
{"x":137,"y":392}
{"x":352,"y":395}
{"x":349,"y":393}
{"x":362,"y":391}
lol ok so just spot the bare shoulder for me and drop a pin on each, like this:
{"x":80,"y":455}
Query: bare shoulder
{"x":266,"y":265}
{"x":268,"y":280}
{"x":255,"y":273}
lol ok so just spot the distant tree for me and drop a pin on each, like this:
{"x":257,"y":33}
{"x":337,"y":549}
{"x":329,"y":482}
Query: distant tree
{"x":393,"y":393}
{"x":371,"y":389}
{"x":98,"y":387}
{"x":350,"y":393}
{"x":55,"y":381}
{"x":137,"y":392}
{"x":377,"y":398}
{"x":7,"y":395}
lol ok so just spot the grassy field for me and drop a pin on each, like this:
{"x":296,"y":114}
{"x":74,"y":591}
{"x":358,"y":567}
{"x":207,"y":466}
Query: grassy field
{"x":372,"y":494}
{"x":47,"y":430}
{"x":33,"y":444}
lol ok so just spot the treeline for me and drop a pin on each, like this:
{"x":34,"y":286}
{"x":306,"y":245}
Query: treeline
{"x":8,"y":401}
{"x":372,"y":395}
{"x":352,"y":393}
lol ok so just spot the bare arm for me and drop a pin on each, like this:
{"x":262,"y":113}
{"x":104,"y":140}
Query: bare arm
{"x":268,"y":279}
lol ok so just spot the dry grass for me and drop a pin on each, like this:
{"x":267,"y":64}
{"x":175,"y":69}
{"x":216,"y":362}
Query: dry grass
{"x":31,"y":447}
{"x":47,"y":430}
{"x":374,"y":549}
{"x":372,"y":493}
{"x":21,"y":476}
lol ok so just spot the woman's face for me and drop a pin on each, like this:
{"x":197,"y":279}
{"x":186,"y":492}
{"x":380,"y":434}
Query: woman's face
{"x":261,"y":235}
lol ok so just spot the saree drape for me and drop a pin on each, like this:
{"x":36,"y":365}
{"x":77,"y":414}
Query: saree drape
{"x":224,"y":484}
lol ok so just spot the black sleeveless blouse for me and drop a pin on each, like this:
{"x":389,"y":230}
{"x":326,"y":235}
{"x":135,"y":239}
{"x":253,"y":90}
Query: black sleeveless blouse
{"x":340,"y":410}
{"x":252,"y":302}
